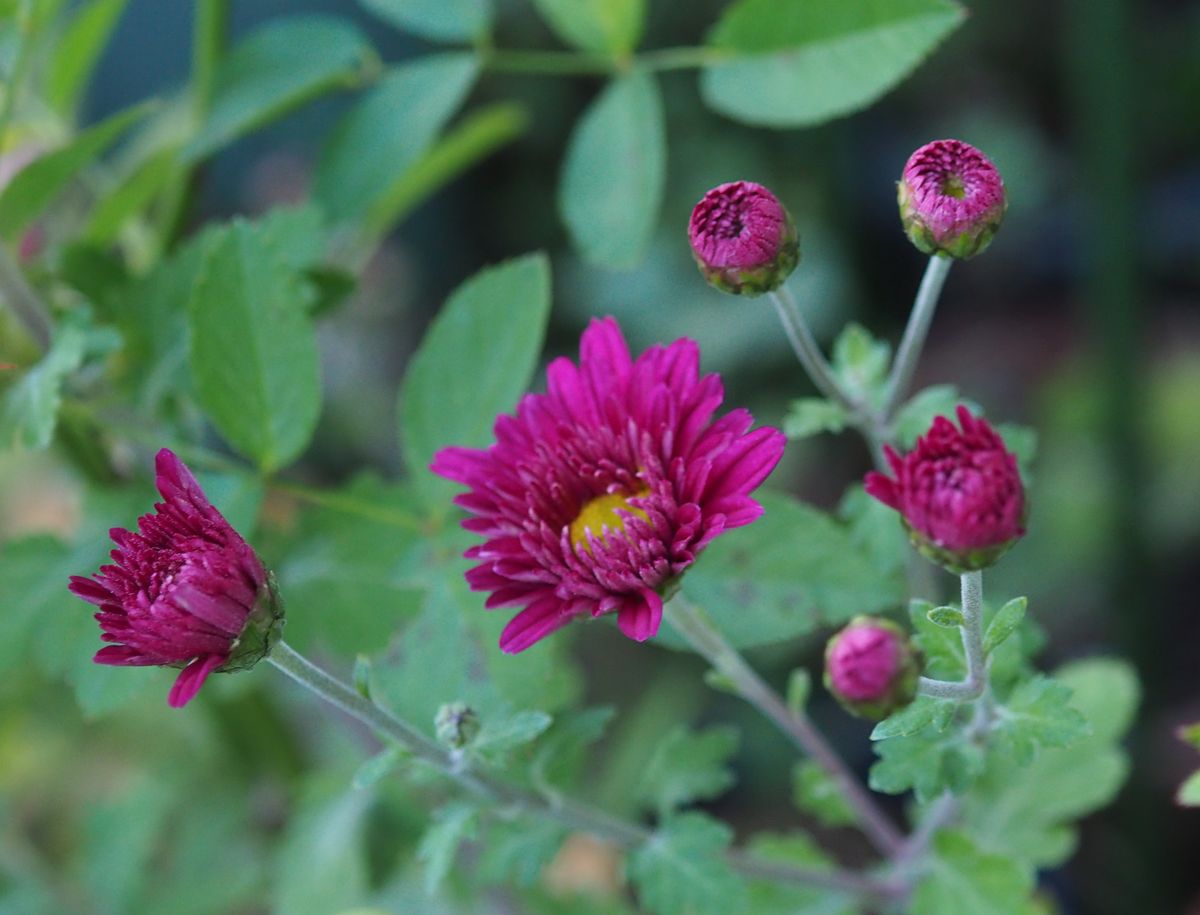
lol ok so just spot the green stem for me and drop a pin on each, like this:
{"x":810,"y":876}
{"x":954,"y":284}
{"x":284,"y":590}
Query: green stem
{"x":972,"y":638}
{"x":23,"y":301}
{"x":210,"y":36}
{"x":547,"y":63}
{"x":915,"y":333}
{"x":569,"y":813}
{"x":808,"y":352}
{"x":680,"y":58}
{"x":703,"y":636}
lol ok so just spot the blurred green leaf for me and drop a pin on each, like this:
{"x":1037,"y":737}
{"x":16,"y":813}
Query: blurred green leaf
{"x":322,"y":866}
{"x":813,"y":415}
{"x":378,"y":767}
{"x":915,"y":417}
{"x":612,"y":26}
{"x":453,"y":824}
{"x":798,"y":690}
{"x":388,"y":130}
{"x":613,"y":176}
{"x":437,"y":20}
{"x":132,"y":196}
{"x":945,"y":658}
{"x":875,"y":530}
{"x":498,"y":736}
{"x":515,"y":853}
{"x":37,"y":185}
{"x":681,"y":871}
{"x":861,"y":363}
{"x":796,"y":64}
{"x":479,"y":134}
{"x":923,"y":712}
{"x":816,"y":793}
{"x":563,"y":751}
{"x":275,"y":69}
{"x":122,"y":832}
{"x":1189,"y":792}
{"x":1190,"y":734}
{"x":474,"y":363}
{"x":964,"y":879}
{"x":30,"y":411}
{"x":1030,"y":817}
{"x":345,"y":569}
{"x":797,"y":850}
{"x":793,"y":570}
{"x":688,"y":766}
{"x":77,"y":51}
{"x":253,"y":351}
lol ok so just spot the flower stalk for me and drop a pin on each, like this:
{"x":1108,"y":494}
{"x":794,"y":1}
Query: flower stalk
{"x":695,"y":627}
{"x":913,"y":341}
{"x":973,"y":686}
{"x":563,"y":810}
{"x":809,"y":353}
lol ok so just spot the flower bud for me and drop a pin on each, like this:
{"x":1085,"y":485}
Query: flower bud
{"x":184,"y":591}
{"x":456,"y":724}
{"x":959,"y":493}
{"x":743,"y":239}
{"x":871,"y":668}
{"x":952,"y":199}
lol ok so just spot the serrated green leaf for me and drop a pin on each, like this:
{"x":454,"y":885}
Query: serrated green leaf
{"x":923,"y":712}
{"x":612,"y":26}
{"x":946,"y":617}
{"x":253,"y":350}
{"x":798,"y":690}
{"x":37,"y":185}
{"x":30,"y":411}
{"x":437,"y":20}
{"x":1037,"y":714}
{"x":927,"y":762}
{"x":77,"y":51}
{"x":794,"y":570}
{"x":680,"y":871}
{"x":1021,"y":441}
{"x":945,"y":658}
{"x":861,"y":363}
{"x":614,"y":172}
{"x":131,"y":196}
{"x":797,"y":850}
{"x":1004,"y":624}
{"x":452,"y":825}
{"x":388,"y":130}
{"x":875,"y":530}
{"x":792,"y":65}
{"x":964,"y":879}
{"x":816,"y":793}
{"x":561,"y":752}
{"x":813,"y":415}
{"x":515,"y":853}
{"x":474,"y":363}
{"x":1029,"y":817}
{"x":688,"y":766}
{"x":275,"y":69}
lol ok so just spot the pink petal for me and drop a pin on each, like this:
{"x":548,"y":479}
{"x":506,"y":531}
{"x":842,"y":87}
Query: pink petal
{"x":640,"y":617}
{"x":192,"y":677}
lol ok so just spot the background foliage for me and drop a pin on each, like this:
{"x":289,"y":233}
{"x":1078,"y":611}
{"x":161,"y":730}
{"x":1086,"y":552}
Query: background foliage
{"x":245,"y":240}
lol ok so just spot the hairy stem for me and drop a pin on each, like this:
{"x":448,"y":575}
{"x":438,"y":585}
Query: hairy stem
{"x":915,"y":333}
{"x":702,"y":635}
{"x":973,"y":686}
{"x":808,"y":352}
{"x":569,"y":813}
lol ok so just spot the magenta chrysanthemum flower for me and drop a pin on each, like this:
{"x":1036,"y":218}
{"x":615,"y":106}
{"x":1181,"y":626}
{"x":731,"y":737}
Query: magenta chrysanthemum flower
{"x":600,"y":492}
{"x":184,"y":591}
{"x":959,"y":493}
{"x":952,"y":199}
{"x":871,"y":667}
{"x":743,"y":239}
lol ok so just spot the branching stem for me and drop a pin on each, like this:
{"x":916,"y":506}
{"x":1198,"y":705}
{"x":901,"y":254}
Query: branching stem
{"x":972,"y":638}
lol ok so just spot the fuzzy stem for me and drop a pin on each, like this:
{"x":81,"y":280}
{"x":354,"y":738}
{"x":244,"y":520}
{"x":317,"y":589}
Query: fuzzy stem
{"x":569,"y":813}
{"x":23,"y":301}
{"x":808,"y":352}
{"x":915,"y":333}
{"x":972,"y":638}
{"x":692,"y":623}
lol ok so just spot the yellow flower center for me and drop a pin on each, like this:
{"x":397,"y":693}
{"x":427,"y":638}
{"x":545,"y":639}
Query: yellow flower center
{"x":605,"y":514}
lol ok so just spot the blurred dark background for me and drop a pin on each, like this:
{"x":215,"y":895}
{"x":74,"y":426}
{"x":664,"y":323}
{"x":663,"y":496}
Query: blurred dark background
{"x":1082,"y":320}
